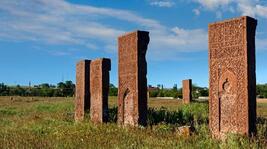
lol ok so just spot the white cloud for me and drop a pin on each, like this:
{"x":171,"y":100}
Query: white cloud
{"x":53,"y":23}
{"x":261,"y":10}
{"x":253,"y":8}
{"x":59,"y":53}
{"x":246,"y":9}
{"x":213,"y":4}
{"x":162,"y":3}
{"x":218,"y":14}
{"x":261,"y":44}
{"x":196,"y":11}
{"x":57,"y":22}
{"x":169,"y":44}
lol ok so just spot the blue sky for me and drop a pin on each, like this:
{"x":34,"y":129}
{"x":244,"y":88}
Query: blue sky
{"x":41,"y":40}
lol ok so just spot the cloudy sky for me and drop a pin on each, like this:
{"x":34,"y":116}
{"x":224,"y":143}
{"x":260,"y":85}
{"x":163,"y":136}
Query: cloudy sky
{"x":41,"y":40}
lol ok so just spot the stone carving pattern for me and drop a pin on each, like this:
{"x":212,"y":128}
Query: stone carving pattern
{"x":228,"y":64}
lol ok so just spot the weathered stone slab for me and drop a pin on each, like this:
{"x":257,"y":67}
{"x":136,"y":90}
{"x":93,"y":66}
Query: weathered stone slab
{"x":232,"y":83}
{"x":99,"y":87}
{"x":132,"y":96}
{"x":82,"y":95}
{"x":187,"y":91}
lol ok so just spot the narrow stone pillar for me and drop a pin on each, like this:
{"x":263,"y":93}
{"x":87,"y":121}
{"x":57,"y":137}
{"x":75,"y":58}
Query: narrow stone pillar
{"x":99,"y":88}
{"x":187,"y":91}
{"x":232,"y":80}
{"x":82,"y":95}
{"x":132,"y":94}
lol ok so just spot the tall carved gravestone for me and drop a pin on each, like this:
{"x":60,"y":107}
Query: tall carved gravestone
{"x":232,"y":103}
{"x":82,"y":95}
{"x":132,"y":95}
{"x":99,"y":87}
{"x":187,"y":91}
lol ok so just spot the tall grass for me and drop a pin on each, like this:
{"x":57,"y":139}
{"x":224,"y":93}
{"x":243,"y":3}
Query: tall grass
{"x":49,"y":123}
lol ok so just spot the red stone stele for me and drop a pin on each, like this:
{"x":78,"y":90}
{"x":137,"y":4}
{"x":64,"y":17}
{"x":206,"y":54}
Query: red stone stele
{"x":187,"y":91}
{"x":82,"y":95}
{"x":99,"y":88}
{"x":232,"y":78}
{"x":132,"y":94}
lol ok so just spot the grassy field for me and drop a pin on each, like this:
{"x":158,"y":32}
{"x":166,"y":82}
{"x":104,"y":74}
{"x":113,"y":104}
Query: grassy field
{"x":28,"y":122}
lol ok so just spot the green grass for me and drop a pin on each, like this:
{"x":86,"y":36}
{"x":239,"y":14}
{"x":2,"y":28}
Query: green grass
{"x":262,"y":109}
{"x":48,"y":123}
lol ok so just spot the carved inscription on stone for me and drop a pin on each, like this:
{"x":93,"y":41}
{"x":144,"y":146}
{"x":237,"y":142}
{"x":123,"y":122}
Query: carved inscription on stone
{"x":82,"y":95}
{"x":132,"y":96}
{"x":187,"y":91}
{"x":99,"y":87}
{"x":232,"y":102}
{"x":228,"y":102}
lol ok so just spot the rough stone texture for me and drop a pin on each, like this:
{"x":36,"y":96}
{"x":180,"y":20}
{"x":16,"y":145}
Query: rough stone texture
{"x":187,"y":91}
{"x":99,"y":87}
{"x":82,"y":95}
{"x":184,"y":131}
{"x":132,"y":96}
{"x":232,"y":103}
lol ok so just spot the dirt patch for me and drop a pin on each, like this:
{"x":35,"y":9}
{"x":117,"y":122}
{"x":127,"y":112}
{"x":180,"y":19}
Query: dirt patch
{"x":262,"y":100}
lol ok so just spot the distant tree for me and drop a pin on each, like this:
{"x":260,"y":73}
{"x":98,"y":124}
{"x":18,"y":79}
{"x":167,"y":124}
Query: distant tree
{"x":261,"y":90}
{"x":18,"y":91}
{"x":61,"y":85}
{"x":35,"y":92}
{"x":174,"y":88}
{"x":44,"y":85}
{"x":153,"y":93}
{"x":174,"y":91}
{"x":113,"y":90}
{"x":46,"y":90}
{"x":65,"y":89}
{"x":4,"y":89}
{"x":70,"y":89}
{"x":161,"y":93}
{"x":180,"y":93}
{"x":204,"y":92}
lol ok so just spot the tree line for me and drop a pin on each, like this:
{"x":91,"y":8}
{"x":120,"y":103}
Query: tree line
{"x":261,"y":90}
{"x":62,"y":89}
{"x":176,"y":92}
{"x":159,"y":91}
{"x":67,"y":89}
